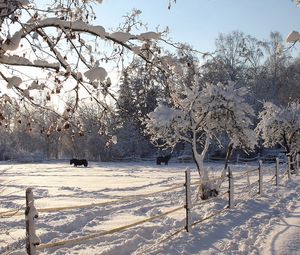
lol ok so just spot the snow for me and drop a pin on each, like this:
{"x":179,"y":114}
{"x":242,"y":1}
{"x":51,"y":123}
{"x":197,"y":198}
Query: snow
{"x":14,"y":81}
{"x":294,"y":36}
{"x":258,"y":224}
{"x":30,"y":215}
{"x":149,"y":35}
{"x":17,"y":60}
{"x":96,"y":74}
{"x":13,"y":42}
{"x":36,"y":85}
{"x":278,"y":122}
{"x":163,"y":115}
{"x":136,"y":49}
{"x":121,"y":36}
{"x":285,"y":239}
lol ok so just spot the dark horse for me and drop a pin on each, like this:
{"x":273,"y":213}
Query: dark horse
{"x":78,"y":162}
{"x":164,"y":159}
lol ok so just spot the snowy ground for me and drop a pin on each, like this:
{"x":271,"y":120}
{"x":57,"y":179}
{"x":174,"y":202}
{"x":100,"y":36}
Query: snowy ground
{"x":266,"y":224}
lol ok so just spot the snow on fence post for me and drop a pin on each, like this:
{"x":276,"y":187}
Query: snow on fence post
{"x":188,"y":200}
{"x":260,"y":177}
{"x":30,"y":214}
{"x":231,"y":188}
{"x":277,"y":172}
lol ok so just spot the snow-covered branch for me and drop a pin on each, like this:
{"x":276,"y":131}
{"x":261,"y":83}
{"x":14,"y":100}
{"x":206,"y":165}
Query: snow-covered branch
{"x":15,"y":60}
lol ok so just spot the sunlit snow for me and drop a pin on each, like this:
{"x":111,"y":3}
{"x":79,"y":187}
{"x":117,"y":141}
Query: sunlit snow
{"x":258,"y":224}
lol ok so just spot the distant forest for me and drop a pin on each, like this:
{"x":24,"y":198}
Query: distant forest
{"x":268,"y":69}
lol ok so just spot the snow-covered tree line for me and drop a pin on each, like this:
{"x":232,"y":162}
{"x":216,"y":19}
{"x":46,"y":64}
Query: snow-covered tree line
{"x":34,"y":135}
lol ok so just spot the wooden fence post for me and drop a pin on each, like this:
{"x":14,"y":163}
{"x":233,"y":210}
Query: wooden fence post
{"x":289,"y":167}
{"x":30,"y":214}
{"x":260,"y":177}
{"x":297,"y":164}
{"x":231,"y":188}
{"x":188,"y":205}
{"x":277,"y":172}
{"x":237,"y":158}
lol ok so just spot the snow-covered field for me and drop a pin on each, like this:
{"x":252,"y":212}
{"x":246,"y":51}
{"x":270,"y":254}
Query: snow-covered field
{"x":266,"y":224}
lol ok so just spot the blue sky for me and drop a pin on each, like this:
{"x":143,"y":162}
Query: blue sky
{"x":198,"y":22}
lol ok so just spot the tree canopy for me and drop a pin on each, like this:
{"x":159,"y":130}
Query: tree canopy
{"x":51,"y":53}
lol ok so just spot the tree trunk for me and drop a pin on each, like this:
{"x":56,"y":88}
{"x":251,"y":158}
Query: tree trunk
{"x":287,"y":150}
{"x":228,"y":155}
{"x":205,"y":189}
{"x":199,"y":158}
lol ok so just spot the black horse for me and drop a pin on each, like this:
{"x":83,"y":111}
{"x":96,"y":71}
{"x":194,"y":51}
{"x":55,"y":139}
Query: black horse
{"x":162,"y":159}
{"x":78,"y":162}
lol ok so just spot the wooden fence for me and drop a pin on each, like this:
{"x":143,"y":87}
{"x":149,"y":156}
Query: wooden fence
{"x":31,"y":213}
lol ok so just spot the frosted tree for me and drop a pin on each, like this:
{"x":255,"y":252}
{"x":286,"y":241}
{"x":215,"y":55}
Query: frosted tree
{"x":277,"y":60}
{"x":56,"y":50}
{"x":281,"y":125}
{"x":201,"y":112}
{"x":237,"y":57}
{"x":140,"y":87}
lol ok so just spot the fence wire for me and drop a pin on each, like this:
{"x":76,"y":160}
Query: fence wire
{"x":124,"y":199}
{"x":241,"y":175}
{"x":17,"y":212}
{"x":210,"y":199}
{"x":102,"y":233}
{"x":11,"y":213}
{"x":210,"y":216}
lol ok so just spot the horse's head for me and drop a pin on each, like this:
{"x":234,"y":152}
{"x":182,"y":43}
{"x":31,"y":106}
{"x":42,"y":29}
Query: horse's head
{"x":72,"y":161}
